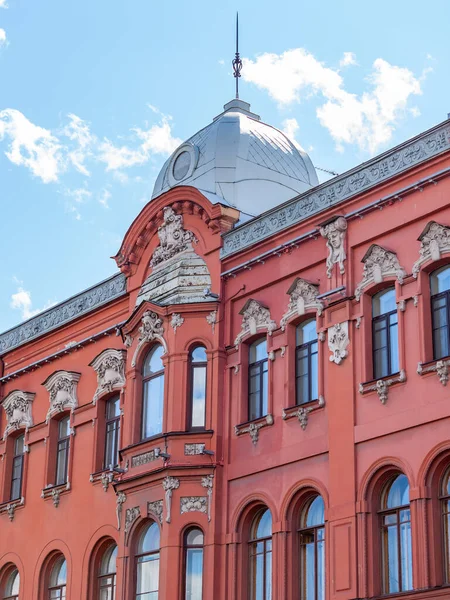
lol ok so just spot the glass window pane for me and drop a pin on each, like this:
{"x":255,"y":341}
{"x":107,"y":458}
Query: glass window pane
{"x":61,"y":463}
{"x":258,"y":351}
{"x":383,"y":302}
{"x":149,"y":540}
{"x":440,"y":280}
{"x":13,"y":584}
{"x":321,"y":570}
{"x":198,"y":396}
{"x":264,"y":525}
{"x":314,"y":373}
{"x":406,"y":556}
{"x":64,"y":428}
{"x":194,"y":573}
{"x":153,"y":406}
{"x":265,"y":390}
{"x":306,"y":332}
{"x":380,"y":365}
{"x":307,"y":567}
{"x":393,"y":339}
{"x":390,"y":560}
{"x":18,"y":445}
{"x":198,"y":354}
{"x":194,"y":537}
{"x":314,"y":513}
{"x":111,"y":446}
{"x":147,"y":574}
{"x":153,"y":362}
{"x":108,"y":564}
{"x":398,"y":492}
{"x":113,"y":408}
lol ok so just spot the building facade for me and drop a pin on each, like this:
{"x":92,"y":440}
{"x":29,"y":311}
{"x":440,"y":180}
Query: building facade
{"x":255,"y":407}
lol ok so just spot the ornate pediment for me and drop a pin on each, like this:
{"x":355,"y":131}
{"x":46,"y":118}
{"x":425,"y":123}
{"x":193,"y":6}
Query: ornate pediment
{"x":255,"y":317}
{"x":62,"y":387}
{"x":434,"y":241}
{"x":334,"y":233}
{"x":17,"y":406}
{"x":110,"y":368}
{"x":379,"y":263}
{"x":173,"y":238}
{"x":303,"y":298}
{"x":151,"y":329}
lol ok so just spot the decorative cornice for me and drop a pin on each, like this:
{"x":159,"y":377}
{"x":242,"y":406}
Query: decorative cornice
{"x":434,"y":241}
{"x":63,"y":313}
{"x":17,"y":406}
{"x":255,"y":317}
{"x":393,"y":162}
{"x":110,"y":368}
{"x":62,"y":387}
{"x":303,"y":298}
{"x":379,"y":263}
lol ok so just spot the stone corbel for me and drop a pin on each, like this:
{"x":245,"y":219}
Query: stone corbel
{"x":54,"y":492}
{"x":17,"y":406}
{"x":207,"y":483}
{"x":110,"y":368}
{"x":379,"y":264}
{"x":211,"y":319}
{"x":120,"y":501}
{"x":254,"y":427}
{"x":169,"y":484}
{"x":255,"y":317}
{"x":434,"y":241}
{"x":62,"y":388}
{"x":381,"y":386}
{"x":151,"y":329}
{"x":176,"y":321}
{"x":439,"y":366}
{"x":334,"y":233}
{"x":338,"y":342}
{"x":9,"y":508}
{"x":302,"y":412}
{"x":303,"y":298}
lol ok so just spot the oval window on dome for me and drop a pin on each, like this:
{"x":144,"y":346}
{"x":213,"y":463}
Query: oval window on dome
{"x":181,"y":166}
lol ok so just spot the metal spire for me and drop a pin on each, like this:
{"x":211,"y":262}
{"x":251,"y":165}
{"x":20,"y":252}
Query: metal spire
{"x":237,"y":62}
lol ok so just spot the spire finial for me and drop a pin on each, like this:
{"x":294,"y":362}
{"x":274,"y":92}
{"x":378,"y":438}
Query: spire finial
{"x":237,"y":62}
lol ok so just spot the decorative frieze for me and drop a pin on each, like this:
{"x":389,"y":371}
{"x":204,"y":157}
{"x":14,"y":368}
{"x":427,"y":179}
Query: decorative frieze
{"x":255,"y":317}
{"x":173,"y":238}
{"x":207,"y":483}
{"x":176,"y":321}
{"x":253,"y":428}
{"x":62,"y":387}
{"x":155,"y":510}
{"x":145,"y":458}
{"x":151,"y":329}
{"x":303,"y":298}
{"x":338,"y":342}
{"x":193,"y":504}
{"x":440,"y":367}
{"x":379,"y":264}
{"x":434,"y":241}
{"x":17,"y":406}
{"x":381,"y":386}
{"x":131,"y":514}
{"x":302,"y":412}
{"x":110,"y":368}
{"x":334,"y":233}
{"x":193,"y":449}
{"x":169,"y":484}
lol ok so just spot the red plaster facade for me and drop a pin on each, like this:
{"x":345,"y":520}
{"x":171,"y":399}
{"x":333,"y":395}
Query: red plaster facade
{"x":345,"y":445}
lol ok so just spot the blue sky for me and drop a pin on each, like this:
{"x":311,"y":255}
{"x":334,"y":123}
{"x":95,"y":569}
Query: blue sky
{"x":94,"y":95}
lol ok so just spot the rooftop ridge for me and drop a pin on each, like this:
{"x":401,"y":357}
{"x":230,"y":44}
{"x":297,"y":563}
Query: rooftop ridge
{"x":397,"y":160}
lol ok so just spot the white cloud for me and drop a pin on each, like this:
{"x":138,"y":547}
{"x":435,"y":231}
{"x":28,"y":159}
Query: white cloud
{"x":21,"y":300}
{"x":104,"y":197}
{"x":3,"y":40}
{"x":368,"y":120}
{"x":3,"y":4}
{"x":78,"y":132}
{"x":290,"y":128}
{"x":349,"y":58}
{"x":31,"y":146}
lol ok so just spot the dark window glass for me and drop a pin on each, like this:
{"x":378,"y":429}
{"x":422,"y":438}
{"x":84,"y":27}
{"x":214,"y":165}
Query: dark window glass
{"x":198,"y":387}
{"x":17,"y":468}
{"x":384,"y":334}
{"x":112,"y":425}
{"x":258,"y":380}
{"x":312,"y":550}
{"x":58,"y":580}
{"x":440,"y":307}
{"x":107,"y":575}
{"x":62,"y":452}
{"x":193,"y":561}
{"x":306,"y":354}
{"x":153,"y":388}
{"x":260,"y":555}
{"x":12,"y":587}
{"x":147,"y":567}
{"x":396,"y":537}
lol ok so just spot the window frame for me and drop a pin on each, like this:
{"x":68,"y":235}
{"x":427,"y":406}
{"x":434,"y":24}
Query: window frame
{"x":116,"y":431}
{"x":303,"y":531}
{"x":433,"y":298}
{"x":192,"y":366}
{"x":144,"y":382}
{"x":138,"y":555}
{"x":252,"y":544}
{"x":308,"y":346}
{"x":260,"y":364}
{"x":21,"y":458}
{"x":11,"y":572}
{"x":99,"y":586}
{"x":186,"y":548}
{"x":59,"y":443}
{"x":60,"y":587}
{"x":385,"y":317}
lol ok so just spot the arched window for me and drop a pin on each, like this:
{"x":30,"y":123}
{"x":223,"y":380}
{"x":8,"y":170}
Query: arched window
{"x":153,"y":396}
{"x":147,"y":567}
{"x":396,"y":536}
{"x":58,"y":580}
{"x":197,"y":405}
{"x":260,"y":554}
{"x":12,"y":586}
{"x":384,"y":334}
{"x":312,"y":550}
{"x":258,"y":380}
{"x":17,"y":468}
{"x":306,"y":369}
{"x":112,"y":428}
{"x":62,"y":452}
{"x":107,"y":574}
{"x":440,"y":311}
{"x":193,"y":564}
{"x":445,"y":503}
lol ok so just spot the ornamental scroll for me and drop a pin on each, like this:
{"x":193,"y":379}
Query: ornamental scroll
{"x":62,"y":387}
{"x":434,"y":241}
{"x":173,"y":238}
{"x":255,"y":317}
{"x":303,"y":298}
{"x":17,"y":406}
{"x":110,"y":369}
{"x":151,"y":329}
{"x":379,"y":263}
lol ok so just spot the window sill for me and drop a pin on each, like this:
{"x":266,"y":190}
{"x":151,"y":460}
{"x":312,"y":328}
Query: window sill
{"x":104,"y":477}
{"x":253,"y":427}
{"x":54,"y":492}
{"x":9,"y":508}
{"x":302,"y":411}
{"x":381,"y":386}
{"x":439,"y":366}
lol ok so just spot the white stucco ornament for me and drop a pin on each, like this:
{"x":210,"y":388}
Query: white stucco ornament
{"x":303,"y":298}
{"x":338,"y":342}
{"x":255,"y":317}
{"x":379,"y":264}
{"x":173,"y":238}
{"x":17,"y":406}
{"x":434,"y":241}
{"x":62,"y":387}
{"x":110,"y":368}
{"x":334,"y":233}
{"x":151,"y":329}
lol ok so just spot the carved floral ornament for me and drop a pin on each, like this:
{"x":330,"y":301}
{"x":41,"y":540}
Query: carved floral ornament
{"x":334,"y":233}
{"x":303,"y":298}
{"x":110,"y":369}
{"x":17,"y":406}
{"x":173,"y":238}
{"x":62,"y":387}
{"x":379,"y":264}
{"x":434,"y":241}
{"x":338,"y":341}
{"x":151,"y":329}
{"x":255,"y":317}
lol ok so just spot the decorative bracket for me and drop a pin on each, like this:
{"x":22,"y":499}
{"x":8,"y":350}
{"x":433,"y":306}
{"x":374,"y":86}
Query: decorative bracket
{"x":302,"y":412}
{"x":439,"y":366}
{"x":254,"y":427}
{"x":381,"y":386}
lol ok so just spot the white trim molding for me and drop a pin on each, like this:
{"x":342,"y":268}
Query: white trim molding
{"x":379,"y":264}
